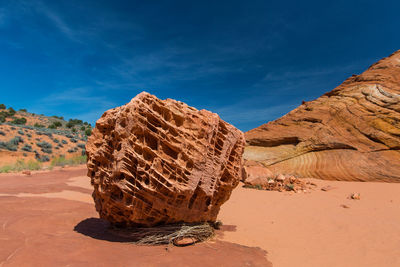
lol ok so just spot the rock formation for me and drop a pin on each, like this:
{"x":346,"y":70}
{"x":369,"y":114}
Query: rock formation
{"x":350,"y":133}
{"x":156,"y":161}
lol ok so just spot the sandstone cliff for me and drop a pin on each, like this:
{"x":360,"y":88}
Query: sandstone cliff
{"x":350,"y":133}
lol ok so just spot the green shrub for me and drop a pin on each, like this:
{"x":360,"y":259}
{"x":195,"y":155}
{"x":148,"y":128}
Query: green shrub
{"x":11,"y":111}
{"x":2,"y":133}
{"x":55,"y":125}
{"x":88,"y":132}
{"x":82,"y":146}
{"x":55,"y":140}
{"x":21,"y":132}
{"x":42,"y":158}
{"x":8,"y":146}
{"x":58,"y":117}
{"x":44,"y":144}
{"x":37,"y":125}
{"x":12,"y":145}
{"x":73,"y":140}
{"x":29,"y":135}
{"x":27,"y":148}
{"x":47,"y":150}
{"x":83,"y":128}
{"x":19,"y":121}
{"x":2,"y":106}
{"x":64,"y":142}
{"x":73,"y":130}
{"x":2,"y":118}
{"x":23,"y":109}
{"x":16,"y":140}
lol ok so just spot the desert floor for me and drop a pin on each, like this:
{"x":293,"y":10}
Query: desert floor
{"x":48,"y":219}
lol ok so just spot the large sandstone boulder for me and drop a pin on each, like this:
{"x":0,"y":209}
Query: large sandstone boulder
{"x":350,"y":133}
{"x":156,"y":161}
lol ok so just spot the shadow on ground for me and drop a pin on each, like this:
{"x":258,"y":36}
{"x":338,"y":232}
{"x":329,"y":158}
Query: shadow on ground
{"x":98,"y":229}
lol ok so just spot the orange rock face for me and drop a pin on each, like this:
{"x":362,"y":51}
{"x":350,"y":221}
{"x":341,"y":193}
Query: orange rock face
{"x":350,"y":133}
{"x":156,"y":161}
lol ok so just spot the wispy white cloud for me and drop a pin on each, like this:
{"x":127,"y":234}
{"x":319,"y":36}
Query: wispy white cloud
{"x":80,"y":95}
{"x":57,"y":21}
{"x":310,"y":73}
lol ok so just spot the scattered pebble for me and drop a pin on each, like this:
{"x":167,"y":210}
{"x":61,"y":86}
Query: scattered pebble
{"x":282,"y":183}
{"x":344,"y":206}
{"x":182,"y":242}
{"x":355,"y":196}
{"x":27,"y":172}
{"x":327,"y":188}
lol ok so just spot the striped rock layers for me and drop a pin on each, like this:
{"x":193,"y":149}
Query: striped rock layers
{"x":350,"y":133}
{"x":156,"y":161}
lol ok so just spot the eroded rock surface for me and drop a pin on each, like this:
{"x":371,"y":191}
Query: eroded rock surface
{"x":156,"y":161}
{"x":350,"y":133}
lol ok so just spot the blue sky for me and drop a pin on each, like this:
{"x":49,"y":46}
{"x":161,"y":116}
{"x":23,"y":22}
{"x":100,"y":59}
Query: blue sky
{"x":249,"y":61}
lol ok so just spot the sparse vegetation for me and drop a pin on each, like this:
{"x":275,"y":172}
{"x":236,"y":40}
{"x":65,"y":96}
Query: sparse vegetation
{"x":55,"y":125}
{"x":58,"y":117}
{"x":27,"y":148}
{"x":11,"y":111}
{"x":37,"y":125}
{"x":19,"y":121}
{"x":82,"y":146}
{"x":21,"y":165}
{"x":88,"y":132}
{"x":29,"y":124}
{"x":42,"y":158}
{"x":62,"y":161}
{"x":16,"y":140}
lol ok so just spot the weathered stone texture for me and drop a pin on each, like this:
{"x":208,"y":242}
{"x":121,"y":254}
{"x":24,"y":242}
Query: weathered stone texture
{"x":350,"y":133}
{"x":156,"y":161}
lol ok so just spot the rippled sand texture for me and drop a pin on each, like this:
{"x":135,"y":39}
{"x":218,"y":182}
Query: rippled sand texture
{"x":351,"y":133}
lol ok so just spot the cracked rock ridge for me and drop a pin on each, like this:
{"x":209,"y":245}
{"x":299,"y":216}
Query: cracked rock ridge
{"x":156,"y":161}
{"x":350,"y":133}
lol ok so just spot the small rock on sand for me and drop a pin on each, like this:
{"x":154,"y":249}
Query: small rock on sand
{"x":327,"y":188}
{"x":355,"y":196}
{"x":183,"y":242}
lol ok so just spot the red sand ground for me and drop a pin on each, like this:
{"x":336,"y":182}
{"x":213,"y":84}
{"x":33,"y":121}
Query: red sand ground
{"x":48,"y":219}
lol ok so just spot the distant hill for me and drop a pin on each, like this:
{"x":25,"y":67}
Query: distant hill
{"x":28,"y":137}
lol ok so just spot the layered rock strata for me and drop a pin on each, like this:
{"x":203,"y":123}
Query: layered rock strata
{"x":156,"y":161}
{"x":351,"y":133}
